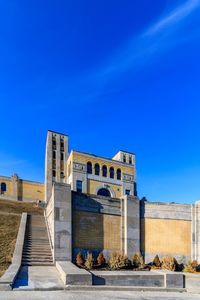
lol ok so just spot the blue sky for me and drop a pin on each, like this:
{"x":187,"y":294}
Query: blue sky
{"x":112,"y":75}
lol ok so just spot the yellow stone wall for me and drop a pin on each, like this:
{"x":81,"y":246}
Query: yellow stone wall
{"x":31,"y":191}
{"x":92,"y":186}
{"x":166,"y":236}
{"x":9,"y":186}
{"x":96,"y":231}
{"x":84,"y":158}
{"x":26,"y":190}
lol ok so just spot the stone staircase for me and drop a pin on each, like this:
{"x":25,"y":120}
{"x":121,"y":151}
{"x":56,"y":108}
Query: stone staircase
{"x":36,"y":250}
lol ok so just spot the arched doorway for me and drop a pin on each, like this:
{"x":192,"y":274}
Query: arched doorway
{"x":104,"y":192}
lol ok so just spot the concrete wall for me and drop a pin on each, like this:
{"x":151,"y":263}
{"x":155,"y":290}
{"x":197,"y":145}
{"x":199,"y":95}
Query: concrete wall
{"x":196,"y":231}
{"x":130,"y":207}
{"x":59,"y":221}
{"x":96,"y":224}
{"x":166,"y":229}
{"x":105,"y":224}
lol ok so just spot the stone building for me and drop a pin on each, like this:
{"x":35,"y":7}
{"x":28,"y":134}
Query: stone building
{"x":15,"y":188}
{"x":92,"y":205}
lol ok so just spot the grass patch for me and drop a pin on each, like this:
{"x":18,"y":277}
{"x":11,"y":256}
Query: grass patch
{"x":9,"y":206}
{"x":9,"y":226}
{"x":8,"y":234}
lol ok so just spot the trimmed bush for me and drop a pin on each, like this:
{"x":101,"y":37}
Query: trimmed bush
{"x":138,"y":261}
{"x":157,"y":262}
{"x":192,"y":267}
{"x":189,"y":268}
{"x":101,"y":259}
{"x":79,"y":259}
{"x":89,"y":261}
{"x":118,"y":261}
{"x":169,"y":263}
{"x":194,"y":264}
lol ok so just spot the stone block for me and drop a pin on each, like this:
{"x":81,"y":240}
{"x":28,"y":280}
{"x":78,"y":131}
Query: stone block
{"x":72,"y":275}
{"x":128,"y":278}
{"x":174,"y":280}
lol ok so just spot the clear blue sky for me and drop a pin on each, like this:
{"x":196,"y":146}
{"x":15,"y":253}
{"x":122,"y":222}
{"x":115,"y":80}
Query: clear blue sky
{"x":112,"y":75}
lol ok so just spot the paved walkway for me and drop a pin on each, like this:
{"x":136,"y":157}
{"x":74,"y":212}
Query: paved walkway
{"x":110,"y":295}
{"x":36,"y":277}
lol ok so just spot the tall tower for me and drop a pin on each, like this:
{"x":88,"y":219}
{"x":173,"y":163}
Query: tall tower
{"x":55,"y":161}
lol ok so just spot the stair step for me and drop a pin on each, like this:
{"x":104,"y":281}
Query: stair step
{"x":47,"y":247}
{"x":37,"y":241}
{"x":37,"y":246}
{"x":33,"y":254}
{"x":37,"y":238}
{"x":37,"y":260}
{"x":40,"y":255}
{"x":43,"y":249}
{"x":36,"y":264}
{"x":36,"y":250}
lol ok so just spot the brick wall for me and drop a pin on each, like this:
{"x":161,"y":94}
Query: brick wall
{"x":96,"y":223}
{"x":96,"y":231}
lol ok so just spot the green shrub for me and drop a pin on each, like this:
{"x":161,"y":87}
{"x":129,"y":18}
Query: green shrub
{"x":101,"y":259}
{"x":89,"y":261}
{"x":137,"y":260}
{"x":157,"y":262}
{"x":118,"y":261}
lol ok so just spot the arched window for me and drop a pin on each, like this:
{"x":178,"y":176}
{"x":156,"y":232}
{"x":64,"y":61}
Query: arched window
{"x":89,"y":167}
{"x":104,"y":171}
{"x":104,"y":192}
{"x":96,"y":169}
{"x":3,"y":187}
{"x":118,"y":174}
{"x":112,"y":172}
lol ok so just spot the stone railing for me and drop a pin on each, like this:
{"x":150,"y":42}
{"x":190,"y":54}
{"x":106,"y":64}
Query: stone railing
{"x":8,"y":279}
{"x":49,"y":217}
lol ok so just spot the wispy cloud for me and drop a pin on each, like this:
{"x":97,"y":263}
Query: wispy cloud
{"x":175,"y":16}
{"x":139,"y":48}
{"x":135,"y":53}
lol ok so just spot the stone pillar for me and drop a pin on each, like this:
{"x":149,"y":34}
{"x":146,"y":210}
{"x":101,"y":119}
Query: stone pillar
{"x":195,"y":211}
{"x":130,"y":225}
{"x":62,"y":221}
{"x":15,"y":182}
